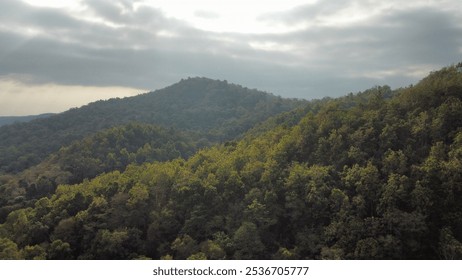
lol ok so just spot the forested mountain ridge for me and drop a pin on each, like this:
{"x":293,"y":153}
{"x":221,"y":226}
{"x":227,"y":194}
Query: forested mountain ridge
{"x":215,"y":110}
{"x":5,"y":120}
{"x":359,"y":177}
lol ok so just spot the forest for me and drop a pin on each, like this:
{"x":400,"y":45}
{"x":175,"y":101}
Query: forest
{"x":5,"y":120}
{"x":214,"y":111}
{"x":371,"y":175}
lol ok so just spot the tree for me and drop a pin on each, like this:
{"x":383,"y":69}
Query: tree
{"x":184,"y":246}
{"x":247,"y":243}
{"x":367,"y":249}
{"x":449,"y":247}
{"x":365,"y":182}
{"x":35,"y":252}
{"x":9,"y":250}
{"x":212,"y":250}
{"x":119,"y":244}
{"x":59,"y":250}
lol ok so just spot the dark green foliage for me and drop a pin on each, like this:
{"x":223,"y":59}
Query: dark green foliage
{"x":108,"y":135}
{"x":377,"y":175}
{"x":4,"y":120}
{"x":108,"y":150}
{"x":213,"y":110}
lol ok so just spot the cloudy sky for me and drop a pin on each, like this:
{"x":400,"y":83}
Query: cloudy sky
{"x":59,"y":54}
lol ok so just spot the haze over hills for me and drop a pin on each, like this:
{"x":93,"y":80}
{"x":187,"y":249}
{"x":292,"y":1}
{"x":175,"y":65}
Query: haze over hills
{"x":4,"y":120}
{"x":212,"y":110}
{"x":373,"y":175}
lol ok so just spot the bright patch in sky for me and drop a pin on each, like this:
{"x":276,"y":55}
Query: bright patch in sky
{"x":230,"y":15}
{"x":238,"y":16}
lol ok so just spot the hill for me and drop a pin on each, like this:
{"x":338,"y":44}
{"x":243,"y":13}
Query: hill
{"x":5,"y":120}
{"x":214,"y":110}
{"x":370,"y":176}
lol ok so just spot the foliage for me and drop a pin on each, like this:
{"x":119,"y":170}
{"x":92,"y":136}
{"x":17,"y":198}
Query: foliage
{"x":375,"y":175}
{"x":213,"y":110}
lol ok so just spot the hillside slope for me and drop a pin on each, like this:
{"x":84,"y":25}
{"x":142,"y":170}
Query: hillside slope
{"x":6,"y":120}
{"x":215,"y":110}
{"x":358,"y":178}
{"x":107,"y":150}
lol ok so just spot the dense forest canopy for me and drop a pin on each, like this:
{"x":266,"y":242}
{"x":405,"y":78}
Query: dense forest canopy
{"x":67,"y":148}
{"x":375,"y":175}
{"x":108,"y":150}
{"x":215,"y":110}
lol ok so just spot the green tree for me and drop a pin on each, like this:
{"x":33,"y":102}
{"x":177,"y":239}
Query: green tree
{"x":59,"y":250}
{"x":35,"y":252}
{"x":449,"y":247}
{"x":9,"y":250}
{"x":184,"y":246}
{"x":247,"y":243}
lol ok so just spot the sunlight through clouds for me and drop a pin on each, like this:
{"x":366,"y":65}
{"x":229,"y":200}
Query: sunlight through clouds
{"x":228,"y":15}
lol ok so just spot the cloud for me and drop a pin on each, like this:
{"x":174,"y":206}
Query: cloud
{"x":383,"y":43}
{"x":324,"y":48}
{"x":206,"y":14}
{"x":69,"y":50}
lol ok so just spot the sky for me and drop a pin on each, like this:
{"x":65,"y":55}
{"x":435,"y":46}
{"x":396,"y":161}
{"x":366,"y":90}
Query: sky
{"x":58,"y":54}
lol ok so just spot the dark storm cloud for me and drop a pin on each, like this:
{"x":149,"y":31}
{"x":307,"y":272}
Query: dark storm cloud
{"x":138,"y":46}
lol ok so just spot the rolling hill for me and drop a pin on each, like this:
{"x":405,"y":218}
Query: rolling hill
{"x":215,"y":111}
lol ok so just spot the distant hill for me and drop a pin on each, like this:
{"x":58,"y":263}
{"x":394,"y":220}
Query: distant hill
{"x":5,"y":120}
{"x":214,"y":110}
